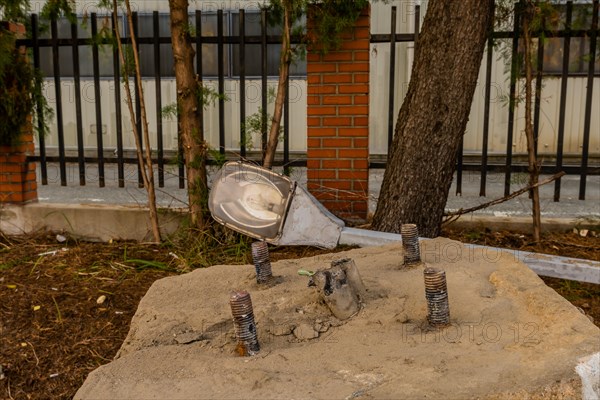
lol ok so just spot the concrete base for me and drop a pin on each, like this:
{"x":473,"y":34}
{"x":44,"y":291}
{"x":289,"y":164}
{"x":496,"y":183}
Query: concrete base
{"x":510,"y":335}
{"x":89,"y":222}
{"x":130,"y":222}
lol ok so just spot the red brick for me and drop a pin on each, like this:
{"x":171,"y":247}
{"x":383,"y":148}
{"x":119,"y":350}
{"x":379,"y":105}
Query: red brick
{"x":354,"y":67}
{"x":337,"y":142}
{"x":322,"y":110}
{"x":317,"y":67}
{"x":353,"y":153}
{"x":361,"y":121}
{"x":337,"y":184}
{"x":313,"y":57}
{"x":337,"y":164}
{"x":363,"y":21}
{"x":313,"y":121}
{"x":313,"y":164}
{"x":353,"y":110}
{"x":11,"y":168}
{"x":321,"y":132}
{"x":362,"y":56}
{"x":362,"y":34}
{"x":338,"y":78}
{"x":338,"y":56}
{"x":360,"y":185}
{"x":360,"y":77}
{"x":355,"y":88}
{"x":337,"y":121}
{"x":321,"y":153}
{"x":313,"y":79}
{"x":321,"y":174}
{"x":361,"y":99}
{"x":322,"y":89}
{"x":360,"y":164}
{"x":332,"y":205}
{"x":313,"y":100}
{"x":313,"y":143}
{"x":341,"y":100}
{"x":353,"y":132}
{"x":349,"y":174}
{"x":360,"y":142}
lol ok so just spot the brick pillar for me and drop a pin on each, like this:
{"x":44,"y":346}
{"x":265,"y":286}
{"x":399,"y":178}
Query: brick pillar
{"x":17,"y":175}
{"x":338,"y":130}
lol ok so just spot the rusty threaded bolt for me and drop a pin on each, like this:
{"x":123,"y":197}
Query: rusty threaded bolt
{"x":243,"y":323}
{"x":262,"y":264}
{"x":410,"y":243}
{"x":436,"y":292}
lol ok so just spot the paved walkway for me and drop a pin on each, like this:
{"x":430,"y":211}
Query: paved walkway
{"x":171,"y":196}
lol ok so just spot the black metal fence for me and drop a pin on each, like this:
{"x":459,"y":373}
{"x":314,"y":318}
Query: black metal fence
{"x":265,"y":38}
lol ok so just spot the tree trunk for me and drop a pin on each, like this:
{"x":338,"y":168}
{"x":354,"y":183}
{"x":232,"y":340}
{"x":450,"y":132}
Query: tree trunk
{"x":434,"y":115}
{"x":188,"y":106}
{"x":284,"y":71}
{"x":533,"y":167}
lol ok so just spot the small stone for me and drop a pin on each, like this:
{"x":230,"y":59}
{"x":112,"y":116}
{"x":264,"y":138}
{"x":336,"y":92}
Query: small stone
{"x":61,"y":239}
{"x":320,"y":326}
{"x":401,"y":317}
{"x":281,"y":329}
{"x":583,"y":232}
{"x":1,"y":373}
{"x":101,"y":299}
{"x":305,"y":332}
{"x":575,"y":231}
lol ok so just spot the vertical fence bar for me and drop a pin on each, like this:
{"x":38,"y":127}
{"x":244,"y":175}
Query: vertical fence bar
{"x":392,"y":82}
{"x":96,"y":68}
{"x":158,"y":88}
{"x":263,"y":72}
{"x":40,"y":110}
{"x":242,"y":55}
{"x":459,"y":167}
{"x":78,"y":117}
{"x":563,"y":98}
{"x":59,"y":114}
{"x":514,"y":72}
{"x":417,"y":26}
{"x":286,"y":128}
{"x":588,"y":102}
{"x":118,"y":114}
{"x":138,"y":108}
{"x":538,"y":89}
{"x":221,"y":68}
{"x":486,"y":114}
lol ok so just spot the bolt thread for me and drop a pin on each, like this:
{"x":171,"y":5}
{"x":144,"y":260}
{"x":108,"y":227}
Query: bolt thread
{"x":436,"y":293}
{"x":243,"y":323}
{"x":262,"y":264}
{"x":410,"y":243}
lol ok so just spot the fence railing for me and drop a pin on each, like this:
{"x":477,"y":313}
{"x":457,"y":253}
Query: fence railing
{"x":106,"y":66}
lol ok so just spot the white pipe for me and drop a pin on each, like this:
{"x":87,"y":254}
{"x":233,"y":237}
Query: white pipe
{"x":574,"y":269}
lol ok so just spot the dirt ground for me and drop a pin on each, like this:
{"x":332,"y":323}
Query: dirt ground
{"x":65,"y":308}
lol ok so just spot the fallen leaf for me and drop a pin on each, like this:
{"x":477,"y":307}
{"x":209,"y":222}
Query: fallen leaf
{"x":35,"y":308}
{"x":11,"y":286}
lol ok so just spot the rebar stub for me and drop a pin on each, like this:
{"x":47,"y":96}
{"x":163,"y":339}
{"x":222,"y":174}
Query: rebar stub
{"x":410,"y":243}
{"x":243,"y":323}
{"x":436,"y":293}
{"x":262,"y":263}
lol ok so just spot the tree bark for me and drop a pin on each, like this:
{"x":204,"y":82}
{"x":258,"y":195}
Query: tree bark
{"x":433,"y":116}
{"x":284,"y":72}
{"x":188,"y":106}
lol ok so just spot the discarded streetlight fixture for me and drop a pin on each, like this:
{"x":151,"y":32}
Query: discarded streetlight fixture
{"x":243,"y":323}
{"x":267,"y":206}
